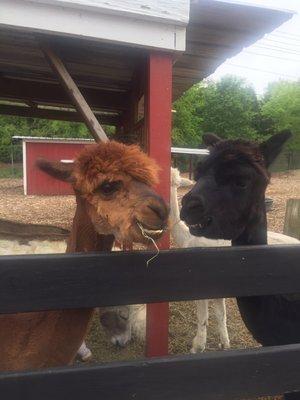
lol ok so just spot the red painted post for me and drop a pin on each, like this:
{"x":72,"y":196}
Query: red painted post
{"x":158,"y":119}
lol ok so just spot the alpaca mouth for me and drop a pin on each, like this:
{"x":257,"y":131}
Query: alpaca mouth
{"x":146,"y":231}
{"x":206,"y":221}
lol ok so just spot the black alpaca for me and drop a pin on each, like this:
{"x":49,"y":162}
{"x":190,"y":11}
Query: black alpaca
{"x":228,"y":202}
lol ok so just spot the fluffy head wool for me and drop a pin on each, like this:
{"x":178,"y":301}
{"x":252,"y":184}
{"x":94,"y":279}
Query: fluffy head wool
{"x":113,"y":160}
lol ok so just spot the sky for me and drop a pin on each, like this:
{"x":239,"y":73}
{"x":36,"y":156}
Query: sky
{"x":276,"y":56}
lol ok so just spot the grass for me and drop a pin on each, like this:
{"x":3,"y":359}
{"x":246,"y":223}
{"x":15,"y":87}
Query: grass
{"x":9,"y":172}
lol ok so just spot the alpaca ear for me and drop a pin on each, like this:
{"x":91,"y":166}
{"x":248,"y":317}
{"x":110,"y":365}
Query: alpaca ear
{"x":185,"y":182}
{"x":273,"y":146}
{"x":56,"y":169}
{"x":210,"y":139}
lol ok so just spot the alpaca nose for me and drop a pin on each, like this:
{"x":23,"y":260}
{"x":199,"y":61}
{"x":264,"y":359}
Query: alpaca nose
{"x":158,"y":208}
{"x":192,"y":206}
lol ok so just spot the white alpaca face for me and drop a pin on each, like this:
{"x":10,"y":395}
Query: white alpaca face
{"x":175,"y":177}
{"x":178,"y":181}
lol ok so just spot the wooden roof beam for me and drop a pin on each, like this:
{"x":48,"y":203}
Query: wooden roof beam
{"x":75,"y":95}
{"x":59,"y":115}
{"x":53,"y":94}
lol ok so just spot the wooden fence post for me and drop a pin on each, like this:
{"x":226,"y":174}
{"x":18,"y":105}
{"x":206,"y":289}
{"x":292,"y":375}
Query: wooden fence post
{"x":158,"y":124}
{"x":292,"y":218}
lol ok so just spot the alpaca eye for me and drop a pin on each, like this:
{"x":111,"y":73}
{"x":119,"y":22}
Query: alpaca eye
{"x":240,"y":183}
{"x":108,"y":188}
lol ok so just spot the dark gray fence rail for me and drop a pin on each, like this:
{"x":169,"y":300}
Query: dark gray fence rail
{"x":210,"y":376}
{"x":32,"y":283}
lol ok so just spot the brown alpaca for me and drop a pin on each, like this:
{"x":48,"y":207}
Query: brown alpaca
{"x":112,"y":183}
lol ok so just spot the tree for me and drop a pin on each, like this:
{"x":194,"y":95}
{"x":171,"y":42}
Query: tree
{"x":20,"y":126}
{"x":282,"y":105}
{"x":187,"y":118}
{"x":230,"y":108}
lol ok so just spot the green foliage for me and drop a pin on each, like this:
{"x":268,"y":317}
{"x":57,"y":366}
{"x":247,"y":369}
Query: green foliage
{"x":187,"y":117}
{"x":230,"y":107}
{"x":11,"y":172}
{"x":282,"y":106}
{"x":19,"y":126}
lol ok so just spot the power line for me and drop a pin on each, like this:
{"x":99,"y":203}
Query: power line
{"x":289,"y":38}
{"x":271,"y":56}
{"x":278,"y":49}
{"x":287,"y":33}
{"x":263,"y":70}
{"x":284,"y":43}
{"x":275,"y":46}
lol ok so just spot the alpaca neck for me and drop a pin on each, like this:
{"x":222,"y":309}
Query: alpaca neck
{"x":179,"y":230}
{"x":174,"y":207}
{"x":83,"y":237}
{"x":255,"y":232}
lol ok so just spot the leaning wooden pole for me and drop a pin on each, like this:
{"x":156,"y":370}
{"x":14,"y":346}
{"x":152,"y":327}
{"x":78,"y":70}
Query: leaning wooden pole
{"x":74,"y":93}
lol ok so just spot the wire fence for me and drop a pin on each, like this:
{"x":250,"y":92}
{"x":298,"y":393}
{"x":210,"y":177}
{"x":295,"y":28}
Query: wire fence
{"x":287,"y":161}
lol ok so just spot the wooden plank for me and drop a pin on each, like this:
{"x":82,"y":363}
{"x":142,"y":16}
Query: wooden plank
{"x":49,"y":93}
{"x":166,"y":11}
{"x":209,"y":376}
{"x":292,"y":218}
{"x":44,"y":282}
{"x":74,"y":93}
{"x":88,"y":24}
{"x":19,"y":231}
{"x":158,"y":128}
{"x":34,"y":112}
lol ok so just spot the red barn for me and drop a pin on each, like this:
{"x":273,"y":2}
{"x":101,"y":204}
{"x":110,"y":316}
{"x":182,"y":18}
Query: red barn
{"x":35,"y":181}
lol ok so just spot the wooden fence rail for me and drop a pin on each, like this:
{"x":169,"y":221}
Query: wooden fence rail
{"x":32,"y":283}
{"x":209,"y":376}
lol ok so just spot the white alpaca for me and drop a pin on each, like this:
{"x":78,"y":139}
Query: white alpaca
{"x":183,"y":238}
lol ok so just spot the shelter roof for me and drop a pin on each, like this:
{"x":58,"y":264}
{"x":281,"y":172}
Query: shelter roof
{"x":105,"y":71}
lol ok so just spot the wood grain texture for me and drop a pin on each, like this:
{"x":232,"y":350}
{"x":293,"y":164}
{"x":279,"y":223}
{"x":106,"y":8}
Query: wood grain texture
{"x":117,"y":26}
{"x":158,"y":128}
{"x":53,"y":94}
{"x":209,"y":376}
{"x":31,"y":283}
{"x":44,"y":113}
{"x":75,"y":94}
{"x":164,"y":10}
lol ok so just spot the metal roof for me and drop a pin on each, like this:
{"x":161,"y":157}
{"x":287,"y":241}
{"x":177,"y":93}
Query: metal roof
{"x":105,"y":71}
{"x":219,"y":30}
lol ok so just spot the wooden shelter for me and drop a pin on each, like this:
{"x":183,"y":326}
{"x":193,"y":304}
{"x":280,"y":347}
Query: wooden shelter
{"x":120,"y":62}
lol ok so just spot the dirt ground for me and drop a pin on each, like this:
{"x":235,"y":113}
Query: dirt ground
{"x":59,"y":211}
